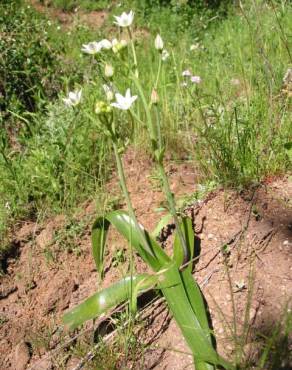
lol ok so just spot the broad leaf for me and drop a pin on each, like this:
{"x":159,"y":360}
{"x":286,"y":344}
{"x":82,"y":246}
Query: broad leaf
{"x":162,"y":223}
{"x":153,"y":255}
{"x":108,"y":298}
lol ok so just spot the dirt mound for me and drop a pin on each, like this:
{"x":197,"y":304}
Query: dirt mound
{"x":93,"y":19}
{"x":244,"y":269}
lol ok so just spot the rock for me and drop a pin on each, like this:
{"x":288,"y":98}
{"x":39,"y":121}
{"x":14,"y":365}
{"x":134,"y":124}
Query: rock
{"x":72,"y":363}
{"x":45,"y":237}
{"x":45,"y":364}
{"x":21,"y":356}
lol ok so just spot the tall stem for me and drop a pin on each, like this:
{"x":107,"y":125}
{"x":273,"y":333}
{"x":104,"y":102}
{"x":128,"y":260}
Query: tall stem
{"x":134,"y":53}
{"x":166,"y":188}
{"x":128,"y":199}
{"x":172,"y":209}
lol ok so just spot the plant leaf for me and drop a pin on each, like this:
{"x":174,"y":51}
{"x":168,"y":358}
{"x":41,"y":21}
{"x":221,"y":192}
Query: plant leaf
{"x":179,"y":304}
{"x":186,"y":227}
{"x":108,"y":298}
{"x":98,"y":239}
{"x":125,"y":226}
{"x":164,"y":221}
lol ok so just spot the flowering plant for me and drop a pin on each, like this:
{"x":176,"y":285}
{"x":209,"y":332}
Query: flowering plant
{"x":171,"y":274}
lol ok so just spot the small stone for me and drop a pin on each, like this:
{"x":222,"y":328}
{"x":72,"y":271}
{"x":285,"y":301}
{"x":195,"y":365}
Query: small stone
{"x":21,"y":356}
{"x":45,"y":364}
{"x":220,"y":331}
{"x":286,"y":242}
{"x":72,"y":363}
{"x":210,"y":236}
{"x":252,"y":313}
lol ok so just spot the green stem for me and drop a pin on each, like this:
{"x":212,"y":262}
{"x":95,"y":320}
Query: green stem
{"x":158,"y":73}
{"x":134,"y":53}
{"x":169,"y":197}
{"x":126,"y":194}
{"x":172,"y":209}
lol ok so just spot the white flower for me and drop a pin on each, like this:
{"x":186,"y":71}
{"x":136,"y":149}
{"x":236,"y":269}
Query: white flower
{"x":73,"y":99}
{"x":194,"y":47}
{"x":108,"y":92}
{"x":108,"y":70}
{"x":91,"y":48}
{"x":124,"y":102}
{"x":105,"y":44}
{"x":196,"y":79}
{"x":125,"y":20}
{"x":187,"y":73}
{"x":158,"y":43}
{"x":164,"y":55}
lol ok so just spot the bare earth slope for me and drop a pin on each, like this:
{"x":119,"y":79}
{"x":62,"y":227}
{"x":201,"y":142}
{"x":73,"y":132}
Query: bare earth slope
{"x":44,"y":277}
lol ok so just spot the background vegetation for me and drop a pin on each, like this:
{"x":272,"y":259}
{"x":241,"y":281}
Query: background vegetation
{"x":235,"y":124}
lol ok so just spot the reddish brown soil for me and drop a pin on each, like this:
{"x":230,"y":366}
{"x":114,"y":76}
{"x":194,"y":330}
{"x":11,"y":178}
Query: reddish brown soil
{"x":93,"y":19}
{"x":43,"y":280}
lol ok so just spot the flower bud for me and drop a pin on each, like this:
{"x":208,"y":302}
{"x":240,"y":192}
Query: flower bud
{"x":108,"y":92}
{"x":118,"y":45}
{"x":154,"y":97}
{"x":102,"y":107}
{"x":108,"y":70}
{"x":164,"y":55}
{"x":158,"y":43}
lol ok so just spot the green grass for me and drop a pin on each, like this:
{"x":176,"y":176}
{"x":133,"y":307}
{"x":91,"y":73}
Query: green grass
{"x":56,"y":158}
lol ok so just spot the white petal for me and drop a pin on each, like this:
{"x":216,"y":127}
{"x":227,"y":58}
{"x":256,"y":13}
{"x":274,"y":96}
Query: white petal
{"x":116,"y":105}
{"x":128,"y":94}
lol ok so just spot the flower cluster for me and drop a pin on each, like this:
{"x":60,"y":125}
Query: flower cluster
{"x":121,"y":102}
{"x":95,"y":47}
{"x":187,"y":74}
{"x":159,"y":45}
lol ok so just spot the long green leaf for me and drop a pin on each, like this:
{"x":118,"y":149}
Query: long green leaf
{"x":191,"y":287}
{"x":164,"y":221}
{"x":98,"y":239}
{"x":155,"y":256}
{"x":189,"y":236}
{"x":108,"y":298}
{"x":195,"y":336}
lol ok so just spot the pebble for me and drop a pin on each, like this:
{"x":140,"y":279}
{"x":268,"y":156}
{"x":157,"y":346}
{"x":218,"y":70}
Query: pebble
{"x":252,"y":313}
{"x":21,"y":356}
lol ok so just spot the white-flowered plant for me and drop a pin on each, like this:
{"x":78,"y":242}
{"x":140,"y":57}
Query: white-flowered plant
{"x":158,"y":43}
{"x":105,"y":44}
{"x":172,"y":274}
{"x":118,"y":45}
{"x":164,"y":55}
{"x":108,"y":90}
{"x":124,"y":102}
{"x":196,"y":79}
{"x":125,"y":19}
{"x":95,"y":47}
{"x":186,"y":73}
{"x":92,"y":48}
{"x":108,"y":70}
{"x":73,"y":99}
